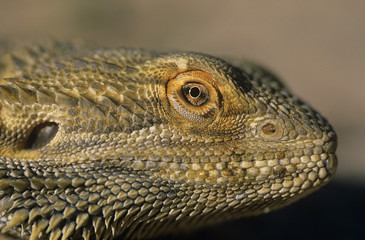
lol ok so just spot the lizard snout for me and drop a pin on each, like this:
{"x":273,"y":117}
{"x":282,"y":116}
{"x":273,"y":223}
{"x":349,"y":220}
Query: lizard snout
{"x":331,"y":145}
{"x":331,"y":164}
{"x":330,"y":148}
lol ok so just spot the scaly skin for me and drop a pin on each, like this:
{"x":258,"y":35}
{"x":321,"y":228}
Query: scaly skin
{"x":99,"y":143}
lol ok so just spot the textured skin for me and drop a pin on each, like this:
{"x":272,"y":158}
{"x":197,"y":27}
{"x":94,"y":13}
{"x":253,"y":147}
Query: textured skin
{"x":147,"y":143}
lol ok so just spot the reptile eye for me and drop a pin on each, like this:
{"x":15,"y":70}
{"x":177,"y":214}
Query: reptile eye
{"x":197,"y":94}
{"x":41,"y":135}
{"x":193,"y":95}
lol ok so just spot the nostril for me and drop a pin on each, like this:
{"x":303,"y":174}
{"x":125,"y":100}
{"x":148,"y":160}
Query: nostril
{"x":268,"y":129}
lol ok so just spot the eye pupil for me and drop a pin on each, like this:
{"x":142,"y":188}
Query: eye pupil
{"x":194,"y":92}
{"x":269,"y":129}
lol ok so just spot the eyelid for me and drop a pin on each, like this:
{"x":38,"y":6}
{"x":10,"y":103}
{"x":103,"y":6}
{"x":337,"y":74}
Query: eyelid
{"x":183,"y":106}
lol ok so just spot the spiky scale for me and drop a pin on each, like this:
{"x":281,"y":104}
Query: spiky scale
{"x":18,"y":218}
{"x":5,"y":183}
{"x":69,"y":212}
{"x":55,"y":234}
{"x":26,"y":96}
{"x":5,"y":204}
{"x":99,"y":227}
{"x":81,"y":220}
{"x":44,"y":98}
{"x":37,"y":228}
{"x":34,"y":212}
{"x":108,"y":221}
{"x":20,"y":185}
{"x":54,"y":222}
{"x":9,"y":93}
{"x":67,"y":230}
{"x":86,"y":234}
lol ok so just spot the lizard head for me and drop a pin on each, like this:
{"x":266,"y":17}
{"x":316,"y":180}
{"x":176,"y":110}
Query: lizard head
{"x":97,"y":137}
{"x":241,"y":124}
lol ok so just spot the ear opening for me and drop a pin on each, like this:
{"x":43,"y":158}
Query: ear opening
{"x":41,"y":135}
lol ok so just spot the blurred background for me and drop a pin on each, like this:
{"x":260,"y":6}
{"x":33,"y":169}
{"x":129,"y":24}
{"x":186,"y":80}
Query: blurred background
{"x":317,"y":47}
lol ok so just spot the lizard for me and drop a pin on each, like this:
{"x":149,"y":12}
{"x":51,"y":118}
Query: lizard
{"x":106,"y":143}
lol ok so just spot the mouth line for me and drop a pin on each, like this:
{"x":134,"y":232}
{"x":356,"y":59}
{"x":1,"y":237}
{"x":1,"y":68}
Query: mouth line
{"x":331,"y":163}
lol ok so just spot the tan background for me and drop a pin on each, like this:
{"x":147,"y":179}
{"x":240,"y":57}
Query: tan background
{"x":318,"y":47}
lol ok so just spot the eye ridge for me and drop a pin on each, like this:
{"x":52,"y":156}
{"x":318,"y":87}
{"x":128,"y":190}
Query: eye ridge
{"x":195,"y":93}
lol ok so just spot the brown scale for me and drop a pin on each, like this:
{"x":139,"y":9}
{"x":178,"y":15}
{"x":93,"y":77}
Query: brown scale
{"x":104,"y":143}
